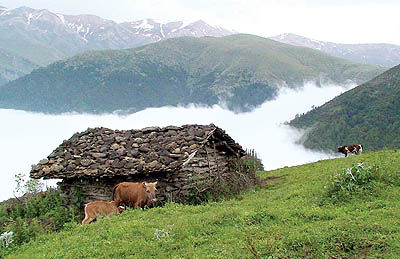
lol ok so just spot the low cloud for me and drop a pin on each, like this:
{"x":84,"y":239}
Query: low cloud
{"x":26,"y":138}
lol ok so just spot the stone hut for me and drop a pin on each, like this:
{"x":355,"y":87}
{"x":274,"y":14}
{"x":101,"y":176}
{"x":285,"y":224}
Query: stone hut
{"x":186,"y":161}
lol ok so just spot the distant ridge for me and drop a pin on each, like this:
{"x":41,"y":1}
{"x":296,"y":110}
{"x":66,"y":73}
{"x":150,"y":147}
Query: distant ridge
{"x":382,"y":54}
{"x":241,"y":70}
{"x":13,"y":66}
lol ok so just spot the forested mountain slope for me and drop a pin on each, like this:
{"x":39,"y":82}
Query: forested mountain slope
{"x":368,"y":114}
{"x":241,"y":70}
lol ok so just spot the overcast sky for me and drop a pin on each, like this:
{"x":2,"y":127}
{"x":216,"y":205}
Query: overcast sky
{"x":341,"y":21}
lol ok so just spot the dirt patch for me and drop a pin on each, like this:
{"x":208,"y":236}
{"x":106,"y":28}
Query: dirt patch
{"x":273,"y":178}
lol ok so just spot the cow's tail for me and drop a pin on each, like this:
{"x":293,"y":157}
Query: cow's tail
{"x":113,"y":192}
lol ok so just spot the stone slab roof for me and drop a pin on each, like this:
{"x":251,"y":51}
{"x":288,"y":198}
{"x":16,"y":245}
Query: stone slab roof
{"x":102,"y":152}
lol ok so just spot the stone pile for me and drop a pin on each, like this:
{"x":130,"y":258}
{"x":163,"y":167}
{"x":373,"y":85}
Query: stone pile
{"x":105,"y":153}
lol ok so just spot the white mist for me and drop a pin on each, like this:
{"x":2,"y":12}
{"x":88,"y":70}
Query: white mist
{"x":26,"y":138}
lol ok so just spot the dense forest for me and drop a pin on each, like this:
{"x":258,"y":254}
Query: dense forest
{"x":368,"y":114}
{"x":240,"y":70}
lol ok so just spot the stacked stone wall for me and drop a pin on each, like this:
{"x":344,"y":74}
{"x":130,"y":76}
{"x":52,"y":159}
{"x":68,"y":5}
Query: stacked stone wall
{"x":203,"y":174}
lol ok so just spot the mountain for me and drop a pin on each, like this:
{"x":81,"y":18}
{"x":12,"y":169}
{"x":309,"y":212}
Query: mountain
{"x":387,"y":55}
{"x":368,"y":114}
{"x":12,"y":66}
{"x":240,"y":70}
{"x":42,"y":37}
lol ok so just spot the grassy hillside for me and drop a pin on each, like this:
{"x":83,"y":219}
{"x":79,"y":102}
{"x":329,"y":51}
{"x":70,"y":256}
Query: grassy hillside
{"x":243,"y":70}
{"x":294,"y":216}
{"x":368,"y":114}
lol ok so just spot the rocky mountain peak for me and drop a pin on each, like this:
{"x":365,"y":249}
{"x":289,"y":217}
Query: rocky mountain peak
{"x":94,"y":32}
{"x":387,"y":55}
{"x":40,"y":37}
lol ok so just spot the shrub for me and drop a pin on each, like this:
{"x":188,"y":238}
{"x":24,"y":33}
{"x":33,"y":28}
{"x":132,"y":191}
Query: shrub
{"x":31,"y":215}
{"x":24,"y":230}
{"x":351,"y":181}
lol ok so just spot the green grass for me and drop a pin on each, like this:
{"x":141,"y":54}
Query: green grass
{"x":290,"y":217}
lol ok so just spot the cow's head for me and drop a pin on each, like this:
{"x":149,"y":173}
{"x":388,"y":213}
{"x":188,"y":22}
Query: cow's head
{"x":341,"y":149}
{"x":150,"y":192}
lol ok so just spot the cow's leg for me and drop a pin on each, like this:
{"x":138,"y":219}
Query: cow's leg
{"x":136,"y":205}
{"x":87,"y":220}
{"x":139,"y":204}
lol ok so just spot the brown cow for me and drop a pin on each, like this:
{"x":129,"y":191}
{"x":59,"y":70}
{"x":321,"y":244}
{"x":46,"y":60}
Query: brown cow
{"x":135,"y":194}
{"x":100,"y":208}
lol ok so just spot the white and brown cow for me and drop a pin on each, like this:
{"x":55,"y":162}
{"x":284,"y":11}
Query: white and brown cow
{"x":351,"y":149}
{"x":100,"y":208}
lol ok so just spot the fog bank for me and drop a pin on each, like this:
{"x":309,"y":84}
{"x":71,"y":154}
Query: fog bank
{"x":26,"y":138}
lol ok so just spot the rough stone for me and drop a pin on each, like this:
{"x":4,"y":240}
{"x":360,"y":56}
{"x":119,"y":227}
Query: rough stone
{"x":153,"y":135}
{"x":44,"y":161}
{"x":150,"y":129}
{"x":154,"y":165}
{"x":151,"y":156}
{"x":71,"y":167}
{"x":86,"y":162}
{"x":172,"y":146}
{"x":56,"y":168}
{"x":166,"y":160}
{"x":120,"y":139}
{"x":99,"y":155}
{"x":138,"y":140}
{"x":176,"y":151}
{"x":115,"y":146}
{"x":144,"y":148}
{"x":134,"y":152}
{"x":194,"y":146}
{"x":121,"y":152}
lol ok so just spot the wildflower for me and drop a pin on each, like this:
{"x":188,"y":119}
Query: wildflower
{"x":6,"y":239}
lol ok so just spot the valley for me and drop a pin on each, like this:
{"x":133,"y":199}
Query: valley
{"x":242,"y":71}
{"x":293,"y":151}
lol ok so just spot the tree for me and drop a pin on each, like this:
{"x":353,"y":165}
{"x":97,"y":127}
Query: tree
{"x":30,"y":186}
